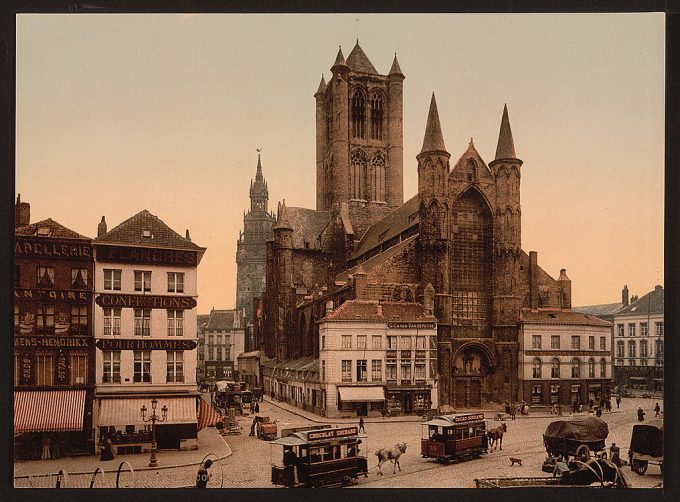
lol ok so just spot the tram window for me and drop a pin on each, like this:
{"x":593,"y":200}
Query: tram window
{"x":459,"y":434}
{"x":336,"y":452}
{"x":303,"y":452}
{"x":315,"y":455}
{"x":351,"y":450}
{"x":449,"y":432}
{"x":326,"y":453}
{"x":471,"y":432}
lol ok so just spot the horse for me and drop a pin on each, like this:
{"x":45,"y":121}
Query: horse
{"x":496,"y":436}
{"x":393,"y":454}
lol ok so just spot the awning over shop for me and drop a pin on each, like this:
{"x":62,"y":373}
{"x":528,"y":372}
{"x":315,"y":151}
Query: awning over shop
{"x":126,"y":410}
{"x":361,"y":394}
{"x":48,"y":410}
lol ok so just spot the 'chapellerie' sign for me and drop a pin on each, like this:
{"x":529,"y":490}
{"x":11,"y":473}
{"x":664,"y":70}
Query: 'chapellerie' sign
{"x":142,"y":344}
{"x":146,"y":301}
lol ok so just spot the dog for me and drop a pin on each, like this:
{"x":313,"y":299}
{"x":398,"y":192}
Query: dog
{"x":514,"y":461}
{"x":500,"y":417}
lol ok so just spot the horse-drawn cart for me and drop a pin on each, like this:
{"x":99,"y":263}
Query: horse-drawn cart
{"x":576,"y":438}
{"x":646,"y":446}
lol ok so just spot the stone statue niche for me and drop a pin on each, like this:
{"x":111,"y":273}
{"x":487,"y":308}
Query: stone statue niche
{"x":470,"y":362}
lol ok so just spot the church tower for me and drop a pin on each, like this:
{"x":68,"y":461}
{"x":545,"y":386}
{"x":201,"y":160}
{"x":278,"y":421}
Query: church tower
{"x":359,"y":139}
{"x":251,"y":247}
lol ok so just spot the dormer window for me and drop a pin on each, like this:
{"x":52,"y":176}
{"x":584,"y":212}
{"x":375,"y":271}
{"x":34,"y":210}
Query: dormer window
{"x":43,"y":231}
{"x":146,"y":233}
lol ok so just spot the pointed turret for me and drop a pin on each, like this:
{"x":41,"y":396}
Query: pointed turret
{"x":258,"y":174}
{"x":340,"y":63}
{"x":395,"y":70}
{"x":101,"y":228}
{"x":282,"y":222}
{"x":322,"y":87}
{"x":506,"y":147}
{"x":433,"y":140}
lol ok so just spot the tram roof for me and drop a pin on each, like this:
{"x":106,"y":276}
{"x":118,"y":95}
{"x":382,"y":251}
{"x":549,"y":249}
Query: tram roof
{"x":455,"y":419}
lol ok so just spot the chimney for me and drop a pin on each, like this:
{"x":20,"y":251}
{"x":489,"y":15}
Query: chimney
{"x":188,"y":237}
{"x":658,"y":288}
{"x":360,"y":281}
{"x":533,"y":279}
{"x":624,"y":296}
{"x":565,"y":289}
{"x":22,"y":213}
{"x":428,"y":299}
{"x":329,"y":307}
{"x":101,"y":228}
{"x":634,"y":298}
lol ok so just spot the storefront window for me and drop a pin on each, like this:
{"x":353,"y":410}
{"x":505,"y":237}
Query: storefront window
{"x":78,"y":369}
{"x":44,"y":369}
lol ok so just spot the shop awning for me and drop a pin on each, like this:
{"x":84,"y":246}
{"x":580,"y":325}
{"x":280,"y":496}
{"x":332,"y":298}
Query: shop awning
{"x":361,"y":394}
{"x":48,"y":410}
{"x":126,"y":410}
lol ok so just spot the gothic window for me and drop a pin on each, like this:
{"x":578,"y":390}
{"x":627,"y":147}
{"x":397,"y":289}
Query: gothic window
{"x":358,"y":114}
{"x":555,"y":370}
{"x":376,"y":116}
{"x":357,"y":173}
{"x":378,"y":163}
{"x":471,"y":170}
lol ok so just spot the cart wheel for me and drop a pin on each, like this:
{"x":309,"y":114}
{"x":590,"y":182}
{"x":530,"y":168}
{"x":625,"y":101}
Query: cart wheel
{"x":583,"y":452}
{"x":639,"y":466}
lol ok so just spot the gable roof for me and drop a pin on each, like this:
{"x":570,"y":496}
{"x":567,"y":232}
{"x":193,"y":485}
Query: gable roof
{"x":130,"y":232}
{"x":651,"y":303}
{"x":605,"y":309}
{"x":307,"y":224}
{"x":556,"y":316}
{"x":202,"y":319}
{"x":375,"y":311}
{"x":374,"y":261}
{"x":471,"y":153}
{"x":57,"y":230}
{"x":390,"y":226}
{"x":359,"y":62}
{"x":220,"y":320}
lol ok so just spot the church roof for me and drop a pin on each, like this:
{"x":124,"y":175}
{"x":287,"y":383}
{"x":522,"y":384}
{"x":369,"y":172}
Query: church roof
{"x":131,"y":231}
{"x":339,"y":59}
{"x":368,"y":265}
{"x":359,"y":62}
{"x":376,"y":311}
{"x":506,"y":147}
{"x":471,"y":152}
{"x":220,"y":320}
{"x":307,"y":224}
{"x":433,"y":140}
{"x":395,"y":70}
{"x":322,"y":86}
{"x":202,"y":319}
{"x":651,"y":303}
{"x":556,"y":316}
{"x":56,"y":230}
{"x":390,"y":226}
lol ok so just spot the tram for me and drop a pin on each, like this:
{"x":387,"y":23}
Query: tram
{"x":454,"y":437}
{"x":320,"y":457}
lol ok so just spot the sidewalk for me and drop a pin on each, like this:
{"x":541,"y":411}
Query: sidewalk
{"x":488,"y":413}
{"x":209,"y":441}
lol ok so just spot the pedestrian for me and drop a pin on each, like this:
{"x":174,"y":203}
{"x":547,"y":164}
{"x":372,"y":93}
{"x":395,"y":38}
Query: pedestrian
{"x":257,"y":407}
{"x":618,"y":402}
{"x":202,"y":477}
{"x":574,"y":406}
{"x":614,"y":455}
{"x":507,"y":407}
{"x":657,"y":410}
{"x":361,"y":425}
{"x":598,"y":413}
{"x":553,"y":409}
{"x":383,"y":412}
{"x":513,"y":410}
{"x":252,"y":427}
{"x":641,"y":414}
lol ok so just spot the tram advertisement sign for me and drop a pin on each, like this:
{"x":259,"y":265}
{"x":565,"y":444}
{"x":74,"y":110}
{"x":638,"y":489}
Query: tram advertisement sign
{"x":332,"y":433}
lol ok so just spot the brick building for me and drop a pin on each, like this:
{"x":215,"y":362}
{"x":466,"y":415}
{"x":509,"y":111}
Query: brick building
{"x":54,"y":370}
{"x":461,"y":233}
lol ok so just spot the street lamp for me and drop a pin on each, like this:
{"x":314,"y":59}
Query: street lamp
{"x":153,"y":419}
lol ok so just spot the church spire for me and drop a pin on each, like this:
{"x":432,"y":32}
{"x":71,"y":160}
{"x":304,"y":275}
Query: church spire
{"x":322,"y":86}
{"x":395,"y":70}
{"x":433,"y":140}
{"x":258,"y":174}
{"x":340,"y":62}
{"x":506,"y":147}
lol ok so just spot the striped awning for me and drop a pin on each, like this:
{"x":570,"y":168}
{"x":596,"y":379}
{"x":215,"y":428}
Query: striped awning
{"x":126,"y":410}
{"x":362,"y":394}
{"x":48,"y":410}
{"x":206,"y":415}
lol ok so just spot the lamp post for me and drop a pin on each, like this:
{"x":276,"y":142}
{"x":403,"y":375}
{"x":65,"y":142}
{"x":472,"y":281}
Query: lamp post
{"x":153,"y":418}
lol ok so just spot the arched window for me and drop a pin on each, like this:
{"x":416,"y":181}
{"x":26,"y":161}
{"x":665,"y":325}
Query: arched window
{"x":471,"y":170}
{"x":555,"y":368}
{"x":537,"y":368}
{"x":378,"y":181}
{"x":575,"y":368}
{"x":357,"y":172}
{"x":376,"y":116}
{"x":591,"y":368}
{"x":603,"y":368}
{"x":358,"y":114}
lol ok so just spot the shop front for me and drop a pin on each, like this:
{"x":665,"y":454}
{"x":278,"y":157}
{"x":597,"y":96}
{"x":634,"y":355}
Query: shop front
{"x":555,"y":393}
{"x":49,"y":424}
{"x":409,"y":400}
{"x":364,"y":401}
{"x":120,"y":420}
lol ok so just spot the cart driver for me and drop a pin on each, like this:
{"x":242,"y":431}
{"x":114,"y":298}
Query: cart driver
{"x":290,"y":459}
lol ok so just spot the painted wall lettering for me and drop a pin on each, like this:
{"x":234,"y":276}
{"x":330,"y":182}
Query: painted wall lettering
{"x":146,"y":301}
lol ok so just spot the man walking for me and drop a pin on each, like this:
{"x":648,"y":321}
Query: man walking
{"x":641,"y":414}
{"x":361,"y":425}
{"x":657,"y":410}
{"x":618,"y":402}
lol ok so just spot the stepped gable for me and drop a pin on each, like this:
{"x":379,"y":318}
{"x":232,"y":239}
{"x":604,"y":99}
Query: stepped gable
{"x":130,"y":232}
{"x":390,"y":226}
{"x":56,"y":230}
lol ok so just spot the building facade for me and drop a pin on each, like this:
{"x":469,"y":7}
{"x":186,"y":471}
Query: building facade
{"x":145,"y":330}
{"x":461,"y":233}
{"x":201,"y":321}
{"x":639,"y":343}
{"x":251,"y":248}
{"x":54,"y":370}
{"x":224,"y":339}
{"x":565,"y":357}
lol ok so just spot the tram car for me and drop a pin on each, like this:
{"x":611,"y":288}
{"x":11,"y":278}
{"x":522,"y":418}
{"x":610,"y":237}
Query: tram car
{"x":322,"y":457}
{"x":454,"y":437}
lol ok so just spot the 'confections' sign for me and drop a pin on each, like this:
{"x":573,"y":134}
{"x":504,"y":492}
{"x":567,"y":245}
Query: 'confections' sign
{"x":146,"y":301}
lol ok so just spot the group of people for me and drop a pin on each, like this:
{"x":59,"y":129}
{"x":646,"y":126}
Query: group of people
{"x":641,"y":413}
{"x":512,"y":408}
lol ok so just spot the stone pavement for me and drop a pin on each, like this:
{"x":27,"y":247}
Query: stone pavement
{"x":175,"y":468}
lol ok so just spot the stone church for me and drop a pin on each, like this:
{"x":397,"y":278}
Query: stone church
{"x":461,"y":233}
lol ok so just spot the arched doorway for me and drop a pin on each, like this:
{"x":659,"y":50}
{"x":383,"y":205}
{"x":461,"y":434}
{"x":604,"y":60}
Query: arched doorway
{"x":472,"y":364}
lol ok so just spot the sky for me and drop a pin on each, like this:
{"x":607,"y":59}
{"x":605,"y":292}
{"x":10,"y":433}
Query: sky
{"x":120,"y":113}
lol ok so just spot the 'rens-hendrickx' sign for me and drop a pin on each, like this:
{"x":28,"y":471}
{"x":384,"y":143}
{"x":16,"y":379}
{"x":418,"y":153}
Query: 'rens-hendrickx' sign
{"x":146,"y":256}
{"x":142,"y":344}
{"x":146,"y":301}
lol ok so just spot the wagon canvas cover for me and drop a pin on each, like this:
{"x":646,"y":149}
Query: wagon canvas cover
{"x":580,"y":429}
{"x":647,"y":439}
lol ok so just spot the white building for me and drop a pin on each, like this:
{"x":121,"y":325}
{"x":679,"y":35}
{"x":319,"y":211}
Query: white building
{"x":564,"y":357}
{"x":145,"y":331}
{"x":223,"y":341}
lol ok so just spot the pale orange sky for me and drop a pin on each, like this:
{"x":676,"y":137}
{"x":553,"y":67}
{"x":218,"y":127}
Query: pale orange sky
{"x":119,"y":113}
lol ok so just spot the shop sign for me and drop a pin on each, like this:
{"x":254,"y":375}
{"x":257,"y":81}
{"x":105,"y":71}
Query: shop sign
{"x":146,"y":256}
{"x":61,"y":369}
{"x":50,"y":294}
{"x":468,"y":418}
{"x":33,"y":248}
{"x":332,"y":433}
{"x":146,"y":301}
{"x":142,"y":344}
{"x":26,"y":370}
{"x":411,"y":325}
{"x":52,"y":342}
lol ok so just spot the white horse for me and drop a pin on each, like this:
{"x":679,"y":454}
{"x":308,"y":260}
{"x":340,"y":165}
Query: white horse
{"x":393,"y":454}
